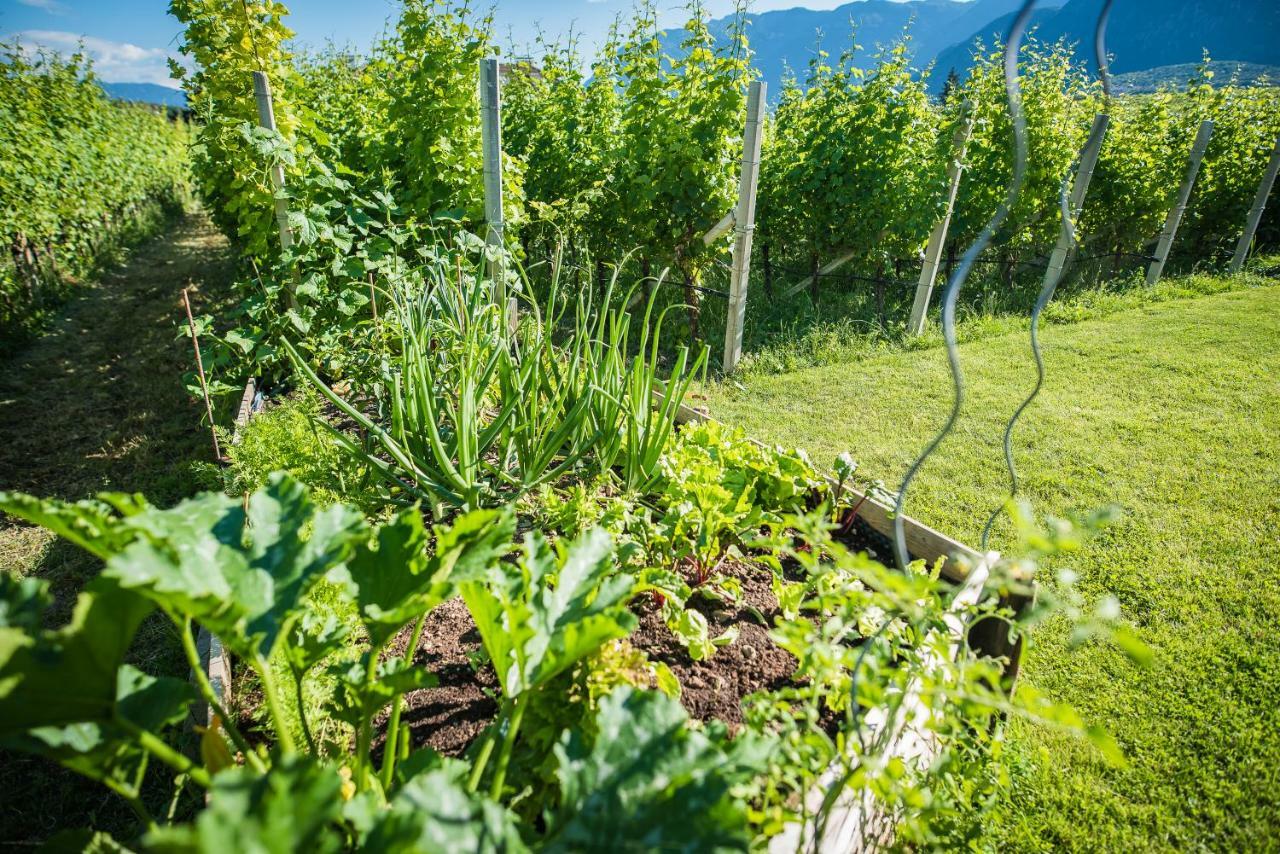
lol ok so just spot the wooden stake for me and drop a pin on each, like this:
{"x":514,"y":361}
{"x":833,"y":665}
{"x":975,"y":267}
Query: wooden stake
{"x":1255,"y":212}
{"x":267,"y":120}
{"x":826,"y":270}
{"x":1084,"y":174}
{"x":1172,"y":221}
{"x":491,"y":139}
{"x":744,"y":226}
{"x":937,"y":240}
{"x":204,"y":386}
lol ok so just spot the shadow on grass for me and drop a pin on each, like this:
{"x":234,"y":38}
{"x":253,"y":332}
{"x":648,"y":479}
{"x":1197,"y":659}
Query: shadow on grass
{"x":97,"y":404}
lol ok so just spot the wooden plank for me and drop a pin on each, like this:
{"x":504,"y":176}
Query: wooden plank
{"x":744,"y":225}
{"x":267,"y":120}
{"x":827,"y":269}
{"x":1174,"y":217}
{"x":922,"y":541}
{"x":245,"y":411}
{"x":856,"y":823}
{"x":938,"y":239}
{"x":720,"y":229}
{"x":1079,"y":189}
{"x":1255,"y":212}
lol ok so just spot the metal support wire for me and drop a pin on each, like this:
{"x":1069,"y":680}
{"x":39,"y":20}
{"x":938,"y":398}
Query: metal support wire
{"x":1051,"y":281}
{"x":1013,"y":93}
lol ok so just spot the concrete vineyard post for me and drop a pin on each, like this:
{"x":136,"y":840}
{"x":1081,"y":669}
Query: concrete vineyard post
{"x":1172,"y":221}
{"x":744,"y":225}
{"x":1084,"y":174}
{"x":1255,"y":212}
{"x":267,"y":120}
{"x":938,"y":239}
{"x":491,"y":139}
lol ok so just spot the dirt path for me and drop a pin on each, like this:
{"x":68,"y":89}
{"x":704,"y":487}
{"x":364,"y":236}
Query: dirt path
{"x":97,"y":404}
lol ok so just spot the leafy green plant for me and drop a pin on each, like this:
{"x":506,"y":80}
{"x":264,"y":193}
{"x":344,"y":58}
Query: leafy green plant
{"x":542,"y":618}
{"x":717,"y":487}
{"x":80,"y":176}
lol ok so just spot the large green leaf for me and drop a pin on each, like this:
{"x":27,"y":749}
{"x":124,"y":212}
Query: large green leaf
{"x":91,"y":525}
{"x":435,"y":812}
{"x":68,"y":676}
{"x":649,"y":783}
{"x":293,"y":807}
{"x":102,"y":750}
{"x":396,"y":579}
{"x":542,"y":616}
{"x":241,"y":575}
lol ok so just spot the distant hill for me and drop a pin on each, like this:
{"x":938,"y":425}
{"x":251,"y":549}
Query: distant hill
{"x":789,"y":37}
{"x":1177,"y":76}
{"x":146,"y":93}
{"x":1149,"y":34}
{"x":1143,"y":34}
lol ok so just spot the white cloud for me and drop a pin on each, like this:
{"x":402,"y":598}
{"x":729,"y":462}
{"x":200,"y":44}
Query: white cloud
{"x":53,"y":7}
{"x":114,"y":62}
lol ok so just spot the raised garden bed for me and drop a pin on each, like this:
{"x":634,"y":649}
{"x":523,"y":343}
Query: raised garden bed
{"x":450,"y":716}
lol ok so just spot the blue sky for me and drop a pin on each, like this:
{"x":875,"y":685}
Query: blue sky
{"x":130,"y":40}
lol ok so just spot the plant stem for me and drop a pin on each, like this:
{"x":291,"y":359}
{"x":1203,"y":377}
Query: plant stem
{"x":135,"y":803}
{"x":302,"y":711}
{"x":477,"y":770}
{"x":166,"y":754}
{"x":211,"y":697}
{"x":283,"y":734}
{"x":500,"y":777}
{"x":365,"y":735}
{"x":393,"y":726}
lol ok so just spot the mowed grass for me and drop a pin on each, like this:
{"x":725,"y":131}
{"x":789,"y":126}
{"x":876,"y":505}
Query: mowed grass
{"x":1171,"y":411}
{"x":97,"y":404}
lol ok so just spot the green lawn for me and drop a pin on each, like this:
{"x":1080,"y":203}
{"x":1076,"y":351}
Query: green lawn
{"x":1171,"y":411}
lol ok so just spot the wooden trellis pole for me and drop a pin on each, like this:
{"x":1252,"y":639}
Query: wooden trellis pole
{"x":1255,"y":212}
{"x":267,"y":120}
{"x":937,"y":240}
{"x":491,"y":141}
{"x":1080,"y":187}
{"x":744,"y":225}
{"x":1172,"y":221}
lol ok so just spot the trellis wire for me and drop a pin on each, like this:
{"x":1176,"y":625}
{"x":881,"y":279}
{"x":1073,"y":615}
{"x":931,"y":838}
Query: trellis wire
{"x":1013,"y":94}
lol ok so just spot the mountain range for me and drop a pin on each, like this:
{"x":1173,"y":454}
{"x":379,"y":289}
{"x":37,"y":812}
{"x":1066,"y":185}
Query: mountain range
{"x":1142,"y":34}
{"x":146,"y":93}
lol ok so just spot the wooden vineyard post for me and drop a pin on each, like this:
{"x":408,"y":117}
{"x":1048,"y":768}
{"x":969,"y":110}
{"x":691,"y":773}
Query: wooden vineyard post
{"x":933,"y":252}
{"x":1172,"y":221}
{"x":1255,"y":212}
{"x":744,"y":225}
{"x":491,"y":140}
{"x":1084,"y":174}
{"x":267,"y":120}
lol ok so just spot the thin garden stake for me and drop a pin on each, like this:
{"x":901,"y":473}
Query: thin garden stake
{"x":1013,"y":94}
{"x":933,"y":252}
{"x":1172,"y":221}
{"x":744,"y":225}
{"x":1071,"y":208}
{"x":204,"y":386}
{"x":1255,"y":212}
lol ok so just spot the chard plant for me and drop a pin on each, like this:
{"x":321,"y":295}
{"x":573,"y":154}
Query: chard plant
{"x":251,"y":575}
